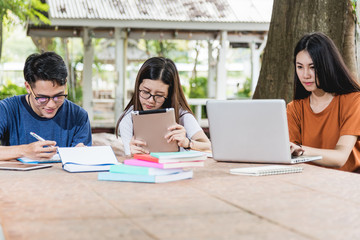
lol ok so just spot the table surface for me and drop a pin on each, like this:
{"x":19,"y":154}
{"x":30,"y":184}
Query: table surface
{"x":53,"y":204}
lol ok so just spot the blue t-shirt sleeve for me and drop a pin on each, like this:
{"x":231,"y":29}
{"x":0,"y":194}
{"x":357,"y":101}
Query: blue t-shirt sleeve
{"x":3,"y":119}
{"x":83,"y":130}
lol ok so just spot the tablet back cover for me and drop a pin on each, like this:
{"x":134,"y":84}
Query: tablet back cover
{"x":151,"y":127}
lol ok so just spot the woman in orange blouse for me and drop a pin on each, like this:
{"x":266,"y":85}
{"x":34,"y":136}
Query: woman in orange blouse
{"x":324,"y":117}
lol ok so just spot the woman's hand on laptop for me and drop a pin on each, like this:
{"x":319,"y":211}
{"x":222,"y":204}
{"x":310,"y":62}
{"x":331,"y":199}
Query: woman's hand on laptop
{"x":136,"y":147}
{"x":177,"y":133}
{"x":296,"y":149}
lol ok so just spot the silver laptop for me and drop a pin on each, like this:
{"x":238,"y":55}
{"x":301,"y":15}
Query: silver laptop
{"x":251,"y":131}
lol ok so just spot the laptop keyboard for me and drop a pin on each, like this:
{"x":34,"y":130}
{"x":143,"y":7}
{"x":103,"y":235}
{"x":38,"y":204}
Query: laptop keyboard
{"x":299,"y":159}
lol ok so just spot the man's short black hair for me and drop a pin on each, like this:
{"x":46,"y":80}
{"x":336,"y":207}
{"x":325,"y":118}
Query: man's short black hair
{"x":47,"y":66}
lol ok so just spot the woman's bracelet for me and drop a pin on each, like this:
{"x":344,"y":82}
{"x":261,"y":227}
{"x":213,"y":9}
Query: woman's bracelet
{"x":189,"y":145}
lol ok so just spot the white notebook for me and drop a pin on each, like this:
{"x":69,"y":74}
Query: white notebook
{"x":87,"y":159}
{"x":266,"y":170}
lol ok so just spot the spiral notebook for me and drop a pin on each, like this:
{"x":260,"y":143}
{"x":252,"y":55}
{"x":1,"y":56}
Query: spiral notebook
{"x":266,"y":170}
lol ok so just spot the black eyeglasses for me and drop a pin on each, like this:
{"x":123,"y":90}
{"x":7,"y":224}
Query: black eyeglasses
{"x":44,"y":100}
{"x":157,"y":98}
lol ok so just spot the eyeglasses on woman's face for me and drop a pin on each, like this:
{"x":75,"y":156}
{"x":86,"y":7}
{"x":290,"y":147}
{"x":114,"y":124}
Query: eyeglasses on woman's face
{"x":43,"y":100}
{"x":157,"y":98}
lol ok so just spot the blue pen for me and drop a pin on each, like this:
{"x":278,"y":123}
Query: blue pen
{"x":36,"y":136}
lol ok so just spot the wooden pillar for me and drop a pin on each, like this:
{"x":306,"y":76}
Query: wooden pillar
{"x":254,"y":66}
{"x":211,"y":84}
{"x":87,"y":73}
{"x":221,"y":68}
{"x":120,"y":70}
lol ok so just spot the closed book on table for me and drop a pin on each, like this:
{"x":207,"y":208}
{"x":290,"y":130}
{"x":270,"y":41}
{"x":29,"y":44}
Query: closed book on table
{"x":175,"y":155}
{"x":129,"y":169}
{"x":122,"y":177}
{"x":146,"y":157}
{"x":136,"y":162}
{"x":167,"y":157}
{"x":73,"y":167}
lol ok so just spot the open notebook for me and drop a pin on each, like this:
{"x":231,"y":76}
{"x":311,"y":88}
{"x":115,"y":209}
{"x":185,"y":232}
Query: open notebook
{"x":87,"y":159}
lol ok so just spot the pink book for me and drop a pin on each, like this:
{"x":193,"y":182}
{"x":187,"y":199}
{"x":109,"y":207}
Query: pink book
{"x":136,"y":162}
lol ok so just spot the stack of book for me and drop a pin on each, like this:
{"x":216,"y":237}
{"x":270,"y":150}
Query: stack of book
{"x":155,"y":167}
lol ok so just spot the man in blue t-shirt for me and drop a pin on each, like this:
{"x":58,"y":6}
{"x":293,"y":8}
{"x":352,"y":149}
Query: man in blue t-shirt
{"x":44,"y":111}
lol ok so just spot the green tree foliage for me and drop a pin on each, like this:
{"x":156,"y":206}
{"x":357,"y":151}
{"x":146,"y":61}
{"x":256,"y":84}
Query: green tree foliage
{"x":32,"y":10}
{"x":176,"y":50}
{"x":159,"y":48}
{"x":198,"y":87}
{"x":245,"y":92}
{"x":10,"y":89}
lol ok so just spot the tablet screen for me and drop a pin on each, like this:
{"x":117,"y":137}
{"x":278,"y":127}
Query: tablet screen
{"x":21,"y":166}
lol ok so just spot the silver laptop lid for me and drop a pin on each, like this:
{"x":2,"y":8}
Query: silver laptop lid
{"x":249,"y":130}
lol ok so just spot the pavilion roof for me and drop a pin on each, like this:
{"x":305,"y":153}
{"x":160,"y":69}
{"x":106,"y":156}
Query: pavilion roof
{"x":209,"y":11}
{"x":153,"y":19}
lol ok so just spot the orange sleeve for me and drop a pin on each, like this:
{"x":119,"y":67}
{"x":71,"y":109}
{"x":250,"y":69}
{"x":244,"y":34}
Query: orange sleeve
{"x":294,"y":123}
{"x":350,"y":114}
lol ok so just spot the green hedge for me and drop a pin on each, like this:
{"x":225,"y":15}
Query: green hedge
{"x":10,"y":89}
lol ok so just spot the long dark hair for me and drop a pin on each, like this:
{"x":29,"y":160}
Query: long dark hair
{"x":164,"y":69}
{"x":330,"y":70}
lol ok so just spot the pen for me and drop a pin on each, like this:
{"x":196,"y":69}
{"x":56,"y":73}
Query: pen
{"x":55,"y":157}
{"x":36,"y":136}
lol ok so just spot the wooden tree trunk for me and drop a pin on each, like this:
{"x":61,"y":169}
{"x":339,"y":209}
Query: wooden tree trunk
{"x":197,"y":52}
{"x":290,"y":21}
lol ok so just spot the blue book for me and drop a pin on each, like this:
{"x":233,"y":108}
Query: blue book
{"x":122,"y":177}
{"x":129,"y":169}
{"x":54,"y":159}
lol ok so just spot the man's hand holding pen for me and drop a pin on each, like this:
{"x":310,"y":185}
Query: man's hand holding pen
{"x":42,"y":149}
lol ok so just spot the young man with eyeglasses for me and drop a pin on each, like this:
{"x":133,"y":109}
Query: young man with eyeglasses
{"x":44,"y":110}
